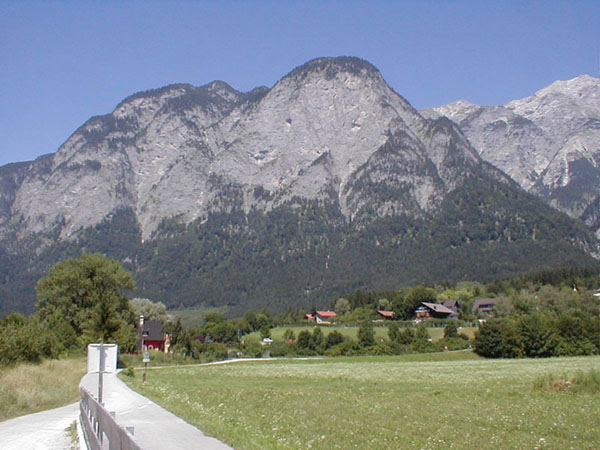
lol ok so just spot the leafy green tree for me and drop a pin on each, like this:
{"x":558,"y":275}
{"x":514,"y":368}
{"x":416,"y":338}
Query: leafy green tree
{"x":538,"y":335}
{"x":406,"y":336}
{"x":450,"y":330}
{"x":384,"y":304}
{"x":289,"y":334}
{"x":303,"y":341}
{"x":334,"y":338}
{"x":150,"y":310}
{"x":27,"y":340}
{"x":174,"y":330}
{"x":342,"y":306}
{"x":87,"y":295}
{"x":488,"y":339}
{"x":421,"y":333}
{"x":366,"y":334}
{"x":405,"y":306}
{"x":317,"y":340}
{"x":512,"y":342}
{"x":393,"y":332}
{"x":265,"y":331}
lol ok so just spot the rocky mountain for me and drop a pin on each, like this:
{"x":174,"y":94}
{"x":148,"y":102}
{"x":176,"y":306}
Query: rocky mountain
{"x":549,"y":142}
{"x":327,"y":182}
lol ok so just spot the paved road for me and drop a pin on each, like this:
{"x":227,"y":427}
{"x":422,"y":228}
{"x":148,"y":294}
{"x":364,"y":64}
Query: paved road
{"x":154,"y":427}
{"x":45,"y":430}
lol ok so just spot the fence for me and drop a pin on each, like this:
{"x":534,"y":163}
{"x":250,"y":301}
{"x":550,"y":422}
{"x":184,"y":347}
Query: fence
{"x":100,"y":427}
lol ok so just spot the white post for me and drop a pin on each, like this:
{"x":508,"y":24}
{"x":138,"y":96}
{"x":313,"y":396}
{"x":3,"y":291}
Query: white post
{"x":101,"y":367}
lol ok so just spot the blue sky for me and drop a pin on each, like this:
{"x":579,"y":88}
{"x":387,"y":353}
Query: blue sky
{"x":62,"y":62}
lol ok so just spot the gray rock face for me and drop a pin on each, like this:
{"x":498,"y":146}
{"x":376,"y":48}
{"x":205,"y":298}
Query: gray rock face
{"x":549,"y":143}
{"x":327,"y":129}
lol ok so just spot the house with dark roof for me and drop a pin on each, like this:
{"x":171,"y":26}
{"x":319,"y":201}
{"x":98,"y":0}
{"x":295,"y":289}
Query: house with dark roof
{"x":452,"y":304}
{"x":434,"y":311}
{"x":485,"y":306}
{"x":151,"y":336}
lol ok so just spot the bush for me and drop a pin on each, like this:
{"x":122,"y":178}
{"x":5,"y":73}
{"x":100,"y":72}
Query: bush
{"x":346,"y":348}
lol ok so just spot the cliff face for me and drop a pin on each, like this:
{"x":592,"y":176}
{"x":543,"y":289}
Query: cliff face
{"x":549,"y":143}
{"x":326,"y":182}
{"x":170,"y":152}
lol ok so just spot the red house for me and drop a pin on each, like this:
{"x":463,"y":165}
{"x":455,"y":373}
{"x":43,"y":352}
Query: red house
{"x":324,"y":317}
{"x":386,"y":314}
{"x":151,"y":336}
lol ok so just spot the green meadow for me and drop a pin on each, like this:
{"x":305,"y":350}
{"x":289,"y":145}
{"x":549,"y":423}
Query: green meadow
{"x":443,"y":400}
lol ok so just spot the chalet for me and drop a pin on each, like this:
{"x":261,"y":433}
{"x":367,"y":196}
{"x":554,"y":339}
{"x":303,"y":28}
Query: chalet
{"x":324,"y":317}
{"x":485,"y":306}
{"x":452,"y":304}
{"x":434,"y":311}
{"x":386,"y":314}
{"x":151,"y":336}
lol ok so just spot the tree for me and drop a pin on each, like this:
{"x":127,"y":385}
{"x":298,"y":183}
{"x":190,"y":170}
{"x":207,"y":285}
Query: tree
{"x":366,"y":334}
{"x":334,"y":338}
{"x":303,"y":341}
{"x":150,"y":310}
{"x":422,"y":334}
{"x":84,"y":297}
{"x":265,"y":331}
{"x":316,"y":340}
{"x":289,"y":334}
{"x":406,"y":336}
{"x":342,"y":306}
{"x":393,"y":332}
{"x":451,"y":330}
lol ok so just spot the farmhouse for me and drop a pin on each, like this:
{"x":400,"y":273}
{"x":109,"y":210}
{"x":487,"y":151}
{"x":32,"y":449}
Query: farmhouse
{"x":452,"y":304}
{"x":151,"y":336}
{"x":324,"y":317}
{"x":386,"y":314}
{"x":434,"y":311}
{"x":485,"y":306}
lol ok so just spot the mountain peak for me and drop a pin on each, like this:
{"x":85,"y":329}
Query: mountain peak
{"x":333,"y":65}
{"x":573,"y":87}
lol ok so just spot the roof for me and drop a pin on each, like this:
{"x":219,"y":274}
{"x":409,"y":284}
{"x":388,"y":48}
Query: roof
{"x":438,"y":308}
{"x":388,"y":314}
{"x":326,"y":313}
{"x":483,"y":303}
{"x":451,"y":303}
{"x":154,"y":328}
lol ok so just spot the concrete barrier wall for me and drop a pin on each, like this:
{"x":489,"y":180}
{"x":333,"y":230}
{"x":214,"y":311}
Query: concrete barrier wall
{"x":100,"y":427}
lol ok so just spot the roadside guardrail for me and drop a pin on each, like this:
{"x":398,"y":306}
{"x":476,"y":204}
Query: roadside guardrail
{"x":100,"y":427}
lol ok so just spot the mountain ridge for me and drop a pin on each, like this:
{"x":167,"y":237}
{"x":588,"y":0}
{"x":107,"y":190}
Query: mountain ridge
{"x":548,"y":142}
{"x":325,"y":182}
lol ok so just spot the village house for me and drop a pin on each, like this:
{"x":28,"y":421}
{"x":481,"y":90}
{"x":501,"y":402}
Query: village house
{"x":434,"y":311}
{"x":386,"y":314}
{"x":484,"y":306}
{"x":151,"y":336}
{"x":452,"y":304}
{"x":322,"y":317}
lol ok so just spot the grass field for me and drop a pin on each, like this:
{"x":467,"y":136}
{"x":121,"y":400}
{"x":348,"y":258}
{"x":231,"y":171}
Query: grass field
{"x":28,"y":388}
{"x":448,"y":400}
